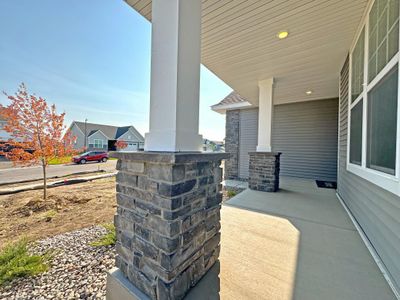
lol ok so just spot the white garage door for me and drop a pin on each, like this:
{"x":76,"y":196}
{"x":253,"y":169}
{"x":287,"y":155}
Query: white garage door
{"x":131,"y":146}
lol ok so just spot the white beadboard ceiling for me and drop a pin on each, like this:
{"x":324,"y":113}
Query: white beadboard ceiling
{"x":240,"y":46}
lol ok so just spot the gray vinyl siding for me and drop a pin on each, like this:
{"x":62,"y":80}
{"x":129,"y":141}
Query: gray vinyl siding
{"x":131,"y":136}
{"x":80,"y":140}
{"x":248,"y":131}
{"x":306,"y":134}
{"x":376,"y":210}
{"x":97,"y":136}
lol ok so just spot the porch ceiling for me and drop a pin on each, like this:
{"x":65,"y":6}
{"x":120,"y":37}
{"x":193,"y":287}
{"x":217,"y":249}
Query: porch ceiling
{"x":239,"y":43}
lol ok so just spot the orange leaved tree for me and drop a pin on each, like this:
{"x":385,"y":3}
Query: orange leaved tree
{"x":36,"y":130}
{"x":121,"y":144}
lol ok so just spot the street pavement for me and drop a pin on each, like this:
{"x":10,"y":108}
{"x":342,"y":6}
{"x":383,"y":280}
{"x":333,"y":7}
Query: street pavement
{"x":11,"y":175}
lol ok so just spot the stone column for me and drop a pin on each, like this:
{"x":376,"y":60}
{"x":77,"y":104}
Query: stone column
{"x":167,"y":222}
{"x":232,"y":127}
{"x":264,"y":171}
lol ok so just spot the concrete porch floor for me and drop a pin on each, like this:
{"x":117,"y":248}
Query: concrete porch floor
{"x":298,"y":243}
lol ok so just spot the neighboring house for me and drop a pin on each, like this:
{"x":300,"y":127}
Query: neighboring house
{"x":103,"y":137}
{"x":212,"y":146}
{"x":4,"y":135}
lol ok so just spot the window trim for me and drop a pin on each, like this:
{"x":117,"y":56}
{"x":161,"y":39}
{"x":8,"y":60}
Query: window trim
{"x":386,"y":181}
{"x":94,"y":143}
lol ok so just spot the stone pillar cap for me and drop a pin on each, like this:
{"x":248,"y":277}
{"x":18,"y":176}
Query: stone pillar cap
{"x":170,"y":157}
{"x":265,"y":153}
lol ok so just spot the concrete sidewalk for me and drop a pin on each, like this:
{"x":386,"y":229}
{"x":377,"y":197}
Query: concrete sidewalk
{"x":53,"y":184}
{"x":298,"y":243}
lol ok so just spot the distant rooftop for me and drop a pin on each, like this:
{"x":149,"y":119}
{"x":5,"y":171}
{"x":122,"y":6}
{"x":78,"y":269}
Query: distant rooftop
{"x":110,"y":131}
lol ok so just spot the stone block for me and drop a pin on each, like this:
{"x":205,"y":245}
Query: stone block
{"x":162,"y":226}
{"x":169,"y":173}
{"x":167,"y":245}
{"x":145,"y":247}
{"x":132,"y":167}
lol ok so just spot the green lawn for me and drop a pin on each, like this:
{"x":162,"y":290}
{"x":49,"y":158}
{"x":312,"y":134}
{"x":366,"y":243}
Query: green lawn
{"x":60,"y":160}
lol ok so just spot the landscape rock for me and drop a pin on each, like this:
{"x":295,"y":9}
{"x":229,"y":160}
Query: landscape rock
{"x":77,"y":269}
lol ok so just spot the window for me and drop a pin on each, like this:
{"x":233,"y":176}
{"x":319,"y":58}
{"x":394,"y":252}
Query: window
{"x":356,"y":133}
{"x":373,"y":94}
{"x":382,"y":123}
{"x":383,"y":40}
{"x":98,"y":143}
{"x":357,"y":67}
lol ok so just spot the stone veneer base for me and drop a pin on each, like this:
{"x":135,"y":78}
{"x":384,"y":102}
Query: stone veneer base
{"x":120,"y":288}
{"x":264,"y":170}
{"x":168,"y":220}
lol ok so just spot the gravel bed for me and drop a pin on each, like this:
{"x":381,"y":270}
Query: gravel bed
{"x":77,"y":271}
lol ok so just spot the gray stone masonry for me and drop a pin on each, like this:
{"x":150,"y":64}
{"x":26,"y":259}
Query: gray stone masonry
{"x":232,"y":144}
{"x":168,"y":219}
{"x":264,"y":171}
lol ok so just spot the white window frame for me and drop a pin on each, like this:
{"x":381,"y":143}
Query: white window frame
{"x":97,"y":144}
{"x":386,"y":181}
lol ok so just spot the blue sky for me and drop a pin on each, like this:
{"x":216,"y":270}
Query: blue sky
{"x":92,"y":59}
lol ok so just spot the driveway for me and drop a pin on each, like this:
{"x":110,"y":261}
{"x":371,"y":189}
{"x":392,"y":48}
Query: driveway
{"x":12,"y":175}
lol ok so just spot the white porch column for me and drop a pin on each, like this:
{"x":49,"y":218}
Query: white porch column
{"x":265,"y":111}
{"x":175,"y":76}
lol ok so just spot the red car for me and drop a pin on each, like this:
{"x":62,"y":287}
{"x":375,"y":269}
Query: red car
{"x":99,"y":156}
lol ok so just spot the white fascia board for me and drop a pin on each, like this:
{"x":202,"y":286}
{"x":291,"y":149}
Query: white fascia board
{"x":223,"y":108}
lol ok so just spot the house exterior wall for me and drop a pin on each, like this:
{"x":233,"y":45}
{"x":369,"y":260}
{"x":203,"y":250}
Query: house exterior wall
{"x":133,"y":139}
{"x":376,"y":210}
{"x":97,"y":136}
{"x":80,"y":139}
{"x":131,"y":136}
{"x":248,"y":139}
{"x":232,"y":144}
{"x":305,"y":133}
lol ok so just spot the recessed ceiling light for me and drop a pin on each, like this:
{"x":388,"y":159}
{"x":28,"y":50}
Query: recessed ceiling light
{"x":282,"y":34}
{"x":309,"y":92}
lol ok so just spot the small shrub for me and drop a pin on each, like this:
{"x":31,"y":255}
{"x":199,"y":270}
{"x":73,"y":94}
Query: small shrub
{"x":108,"y":239}
{"x":15,"y":261}
{"x":49,"y":215}
{"x":231,"y":193}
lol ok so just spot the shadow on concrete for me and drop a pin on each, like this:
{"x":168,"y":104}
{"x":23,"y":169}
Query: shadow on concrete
{"x":208,"y":288}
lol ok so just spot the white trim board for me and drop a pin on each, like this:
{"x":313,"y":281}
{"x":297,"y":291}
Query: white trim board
{"x":386,"y":181}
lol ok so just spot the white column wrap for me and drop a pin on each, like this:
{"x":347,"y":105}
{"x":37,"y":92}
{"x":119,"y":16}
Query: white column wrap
{"x":175,"y":76}
{"x":265,"y":115}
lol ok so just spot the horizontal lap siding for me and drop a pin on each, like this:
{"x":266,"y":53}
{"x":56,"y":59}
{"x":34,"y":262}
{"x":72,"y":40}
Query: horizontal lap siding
{"x":306,"y":134}
{"x":376,"y":210}
{"x":248,"y":139}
